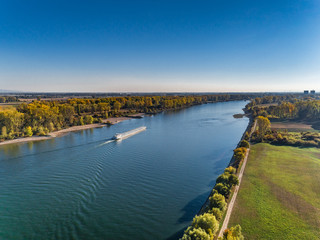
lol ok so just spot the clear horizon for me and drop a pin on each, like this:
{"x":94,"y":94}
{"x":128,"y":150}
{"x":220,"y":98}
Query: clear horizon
{"x":172,"y":46}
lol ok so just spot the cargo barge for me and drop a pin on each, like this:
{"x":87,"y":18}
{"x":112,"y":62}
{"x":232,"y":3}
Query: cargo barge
{"x":120,"y":136}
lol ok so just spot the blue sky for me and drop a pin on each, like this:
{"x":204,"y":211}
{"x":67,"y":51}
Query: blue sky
{"x":143,"y":46}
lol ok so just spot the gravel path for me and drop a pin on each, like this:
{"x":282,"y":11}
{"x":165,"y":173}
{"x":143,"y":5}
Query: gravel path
{"x":231,"y":203}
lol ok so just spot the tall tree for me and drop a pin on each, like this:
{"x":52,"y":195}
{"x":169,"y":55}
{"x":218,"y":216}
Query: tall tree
{"x":264,"y":125}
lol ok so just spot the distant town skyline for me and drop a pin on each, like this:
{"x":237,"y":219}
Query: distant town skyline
{"x":160,"y":46}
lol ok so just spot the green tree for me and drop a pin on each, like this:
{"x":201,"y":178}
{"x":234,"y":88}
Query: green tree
{"x":222,"y":189}
{"x":41,"y":131}
{"x":216,"y":212}
{"x":228,"y":179}
{"x":195,"y":234}
{"x":116,"y":106}
{"x":234,"y":233}
{"x":81,"y":122}
{"x":217,"y":201}
{"x":230,"y":170}
{"x":88,"y":119}
{"x":239,"y":154}
{"x":28,"y":131}
{"x":263,"y":124}
{"x":50,"y":127}
{"x":4,"y":132}
{"x":233,"y":180}
{"x":207,"y":222}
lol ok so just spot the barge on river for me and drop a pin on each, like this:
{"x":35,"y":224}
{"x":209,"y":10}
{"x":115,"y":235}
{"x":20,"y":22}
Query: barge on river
{"x":120,"y":136}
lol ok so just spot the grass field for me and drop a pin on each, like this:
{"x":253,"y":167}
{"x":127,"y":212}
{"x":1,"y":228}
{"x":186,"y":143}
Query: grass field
{"x":279,"y":197}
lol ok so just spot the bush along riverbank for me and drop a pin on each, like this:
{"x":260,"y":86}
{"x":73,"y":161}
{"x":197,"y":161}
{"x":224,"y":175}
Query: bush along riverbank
{"x":206,"y":225}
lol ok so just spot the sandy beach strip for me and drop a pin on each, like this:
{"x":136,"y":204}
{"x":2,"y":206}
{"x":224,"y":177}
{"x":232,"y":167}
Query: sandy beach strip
{"x":70,"y":129}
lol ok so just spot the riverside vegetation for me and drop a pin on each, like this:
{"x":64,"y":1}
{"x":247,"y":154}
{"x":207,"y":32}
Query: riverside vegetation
{"x":305,"y":110}
{"x":42,"y":117}
{"x":206,"y":225}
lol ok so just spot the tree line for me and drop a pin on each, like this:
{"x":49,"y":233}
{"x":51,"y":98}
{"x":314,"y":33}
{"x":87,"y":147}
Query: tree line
{"x":42,"y":117}
{"x":286,"y":108}
{"x":206,"y":225}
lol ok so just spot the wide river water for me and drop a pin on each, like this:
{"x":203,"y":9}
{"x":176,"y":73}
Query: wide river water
{"x":149,"y":186}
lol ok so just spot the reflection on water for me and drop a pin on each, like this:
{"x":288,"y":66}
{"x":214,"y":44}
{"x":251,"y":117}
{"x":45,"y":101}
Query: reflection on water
{"x":86,"y":186}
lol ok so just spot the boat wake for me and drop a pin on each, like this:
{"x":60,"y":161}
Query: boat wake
{"x":109,"y":141}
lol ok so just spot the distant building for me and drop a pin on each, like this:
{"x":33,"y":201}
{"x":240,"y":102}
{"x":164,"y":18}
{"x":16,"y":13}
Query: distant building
{"x":306,"y":92}
{"x":312,"y":92}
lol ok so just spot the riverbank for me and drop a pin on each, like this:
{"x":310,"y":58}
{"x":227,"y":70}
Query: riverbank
{"x":65,"y":131}
{"x":234,"y":193}
{"x":219,"y":204}
{"x":250,"y":128}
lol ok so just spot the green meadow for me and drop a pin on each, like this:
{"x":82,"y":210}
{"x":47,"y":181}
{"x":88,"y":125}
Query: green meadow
{"x":279,"y":197}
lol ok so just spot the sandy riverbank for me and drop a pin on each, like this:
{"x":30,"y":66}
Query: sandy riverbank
{"x":70,"y":129}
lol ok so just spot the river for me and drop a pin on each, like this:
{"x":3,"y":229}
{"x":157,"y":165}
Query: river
{"x":149,"y":186}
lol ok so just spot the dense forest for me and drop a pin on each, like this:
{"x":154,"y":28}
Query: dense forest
{"x":286,"y":108}
{"x":41,"y":117}
{"x":305,"y":110}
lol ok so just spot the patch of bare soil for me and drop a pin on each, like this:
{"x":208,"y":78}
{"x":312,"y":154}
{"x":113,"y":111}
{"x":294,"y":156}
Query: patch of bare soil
{"x":291,"y":125}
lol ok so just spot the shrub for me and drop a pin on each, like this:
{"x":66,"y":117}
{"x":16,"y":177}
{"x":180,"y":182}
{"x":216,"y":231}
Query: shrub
{"x":222,"y":189}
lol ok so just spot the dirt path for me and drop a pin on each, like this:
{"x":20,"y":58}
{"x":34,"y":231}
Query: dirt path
{"x":233,"y":199}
